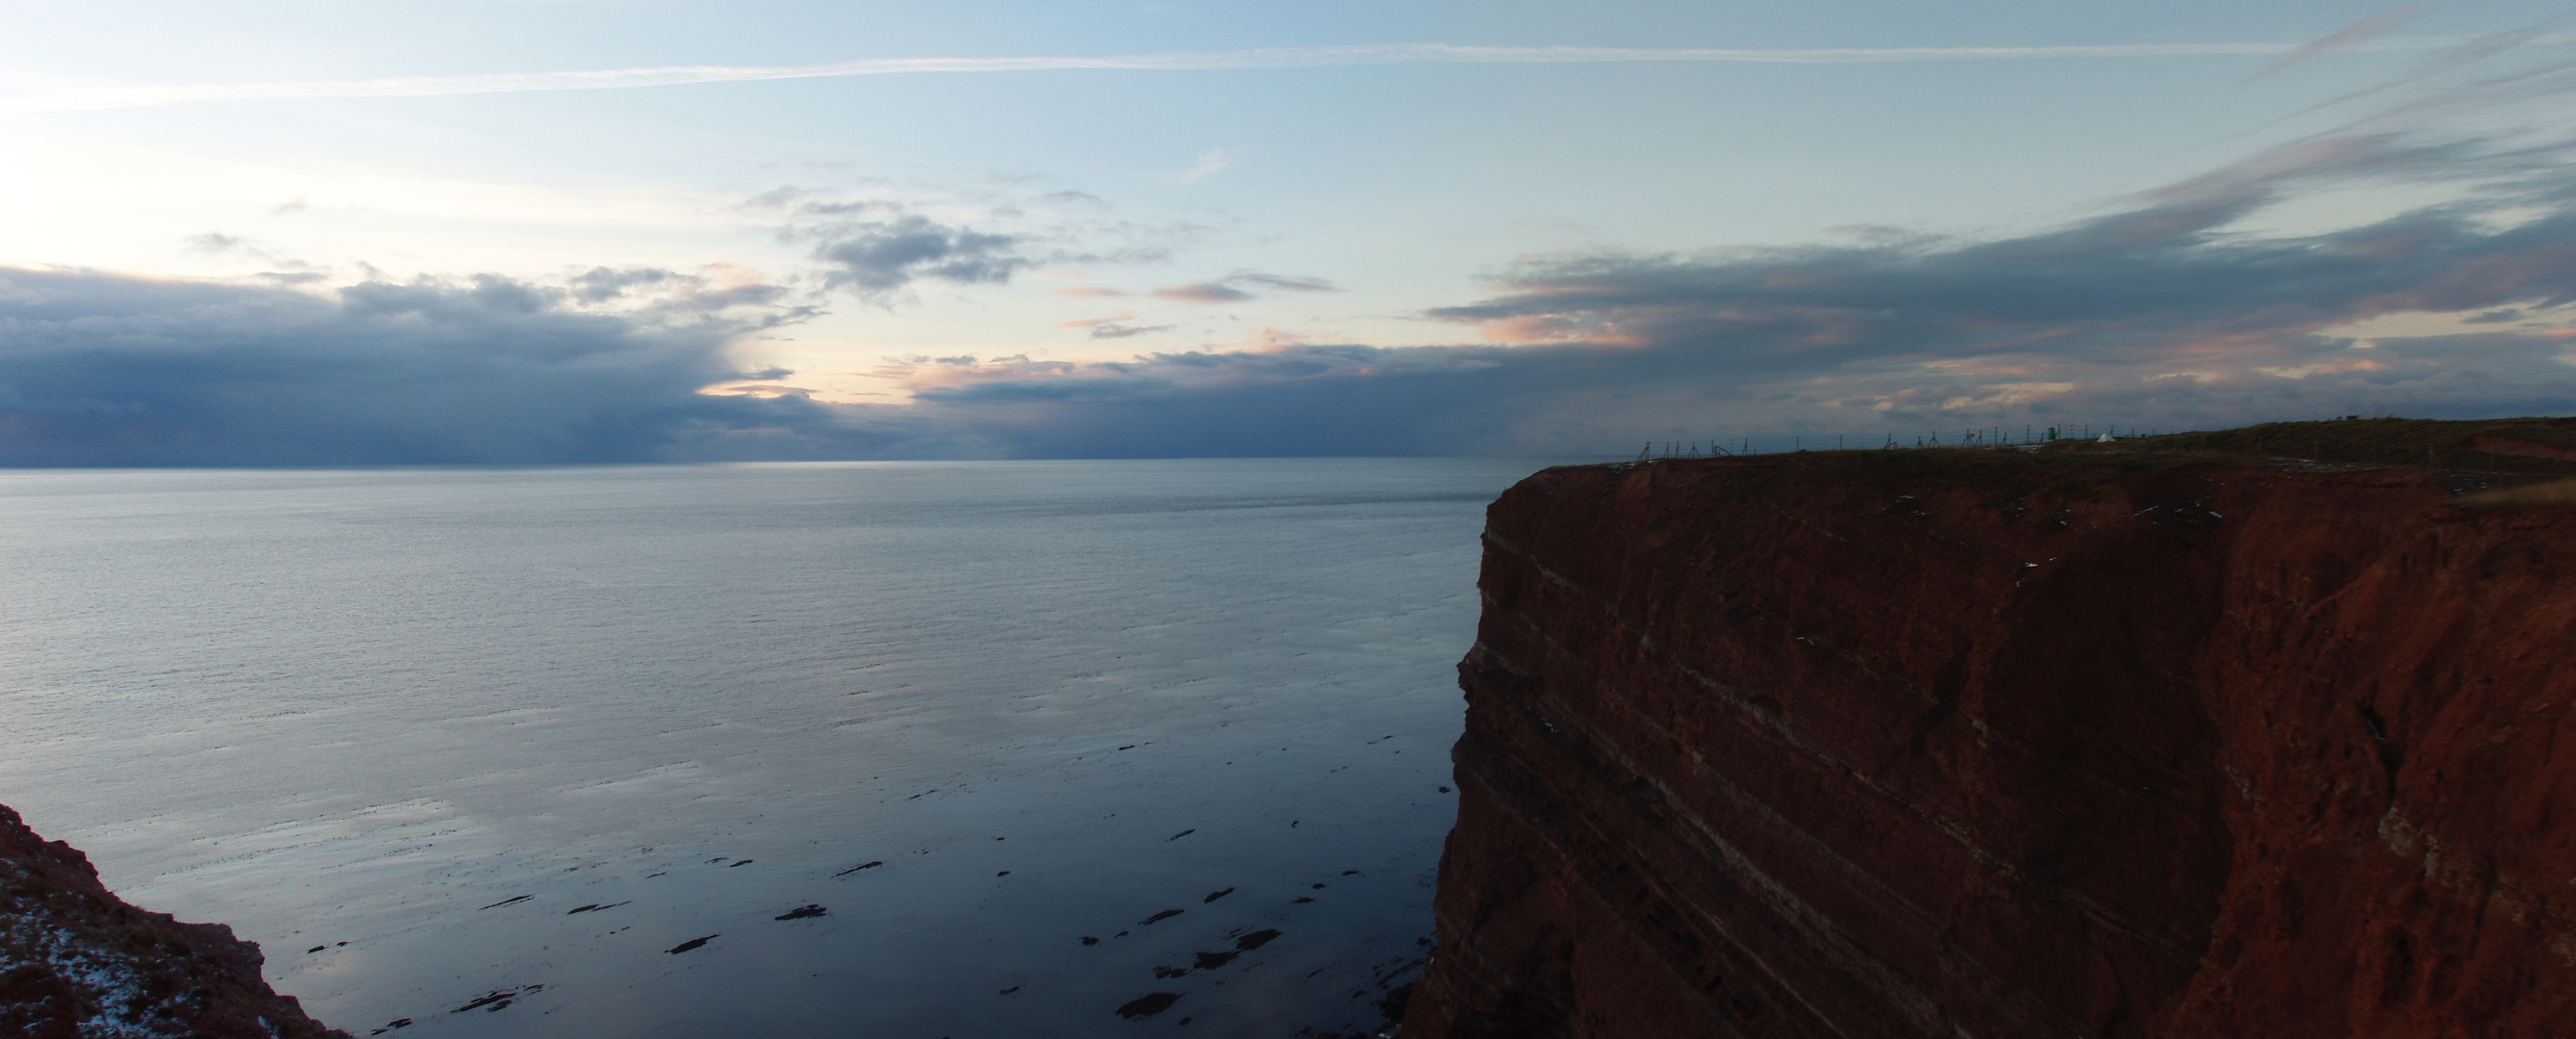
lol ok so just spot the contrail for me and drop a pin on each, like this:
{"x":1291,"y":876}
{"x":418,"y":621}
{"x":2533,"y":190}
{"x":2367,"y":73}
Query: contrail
{"x":1263,"y":58}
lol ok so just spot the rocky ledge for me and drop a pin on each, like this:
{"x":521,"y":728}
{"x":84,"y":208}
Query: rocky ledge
{"x":77,"y":961}
{"x":2093,"y":741}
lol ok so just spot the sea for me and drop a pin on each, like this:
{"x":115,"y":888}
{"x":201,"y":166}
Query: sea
{"x":937,"y":749}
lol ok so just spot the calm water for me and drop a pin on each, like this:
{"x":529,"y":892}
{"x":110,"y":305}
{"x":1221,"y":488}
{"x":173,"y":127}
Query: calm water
{"x":366,"y":711}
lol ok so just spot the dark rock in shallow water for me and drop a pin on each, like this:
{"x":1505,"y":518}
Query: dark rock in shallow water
{"x":1148,"y":1005}
{"x":1392,"y":1005}
{"x":691,"y":944}
{"x":1247,"y":943}
{"x":82,"y":962}
{"x":802,"y":912}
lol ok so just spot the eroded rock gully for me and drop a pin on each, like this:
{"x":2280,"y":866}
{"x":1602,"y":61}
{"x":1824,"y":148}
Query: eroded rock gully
{"x":76,"y":960}
{"x":1978,"y":744}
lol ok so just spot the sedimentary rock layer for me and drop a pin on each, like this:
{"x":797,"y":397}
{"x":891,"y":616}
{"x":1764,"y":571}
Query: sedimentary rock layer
{"x":1992,"y":745}
{"x":77,"y":961}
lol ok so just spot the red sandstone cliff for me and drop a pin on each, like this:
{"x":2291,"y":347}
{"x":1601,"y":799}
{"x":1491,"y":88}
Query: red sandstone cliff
{"x":75,"y":960}
{"x":1995,"y":745}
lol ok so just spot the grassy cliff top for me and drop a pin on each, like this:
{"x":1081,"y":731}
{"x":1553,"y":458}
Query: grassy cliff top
{"x":2469,"y":456}
{"x":2512,"y":445}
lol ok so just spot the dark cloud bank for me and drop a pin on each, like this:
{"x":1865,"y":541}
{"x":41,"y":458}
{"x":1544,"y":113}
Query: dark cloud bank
{"x":2162,"y":313}
{"x":101,"y":369}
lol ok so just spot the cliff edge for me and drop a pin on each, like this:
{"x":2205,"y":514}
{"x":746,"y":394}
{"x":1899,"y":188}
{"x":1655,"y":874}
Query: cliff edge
{"x":2088,"y":741}
{"x":77,"y":961}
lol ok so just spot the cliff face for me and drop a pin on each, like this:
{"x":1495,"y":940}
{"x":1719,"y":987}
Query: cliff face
{"x":1970,"y":744}
{"x":77,"y":961}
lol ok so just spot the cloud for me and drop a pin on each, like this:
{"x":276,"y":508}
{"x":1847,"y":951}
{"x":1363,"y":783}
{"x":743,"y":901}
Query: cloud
{"x":2452,"y":58}
{"x":874,"y":258}
{"x":876,"y":248}
{"x":716,"y":287}
{"x":290,"y":271}
{"x":1094,"y":322}
{"x":2171,"y":308}
{"x":2183,"y":325}
{"x":2158,"y":312}
{"x":600,"y":284}
{"x":100,"y":369}
{"x":1074,"y":198}
{"x":1262,"y":58}
{"x":2162,"y":312}
{"x":1118,"y":331}
{"x":1112,"y":327}
{"x":1211,"y":162}
{"x":1202,"y":292}
{"x":1224,"y":290}
{"x":2346,"y":38}
{"x":1284,"y":282}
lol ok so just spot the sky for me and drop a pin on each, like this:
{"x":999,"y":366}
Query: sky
{"x":548,"y":231}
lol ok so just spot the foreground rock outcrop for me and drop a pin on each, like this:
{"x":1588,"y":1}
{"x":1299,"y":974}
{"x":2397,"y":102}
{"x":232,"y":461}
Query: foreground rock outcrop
{"x":77,"y":961}
{"x":1992,"y":744}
